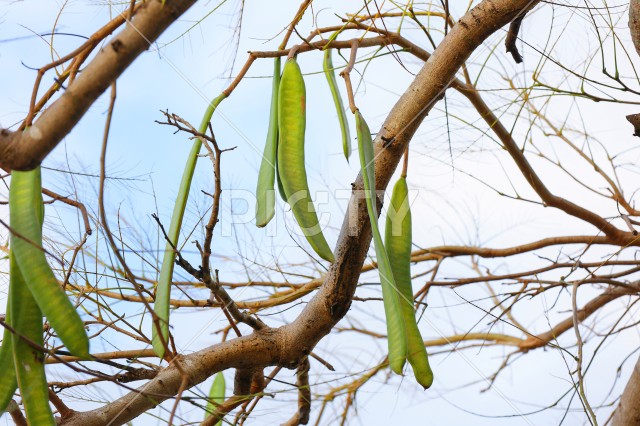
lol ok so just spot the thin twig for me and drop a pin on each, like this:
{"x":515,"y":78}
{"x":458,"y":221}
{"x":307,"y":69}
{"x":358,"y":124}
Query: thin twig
{"x":73,"y":203}
{"x":576,"y":327}
{"x":103,"y":216}
{"x":346,"y":74}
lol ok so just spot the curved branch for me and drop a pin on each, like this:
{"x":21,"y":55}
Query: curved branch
{"x":627,"y":412}
{"x":616,"y":235}
{"x":288,"y":345}
{"x":488,"y":252}
{"x":26,"y":150}
{"x":592,"y":306}
{"x":512,"y":36}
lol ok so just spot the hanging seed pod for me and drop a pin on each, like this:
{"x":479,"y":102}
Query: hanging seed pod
{"x":26,"y":216}
{"x":291,"y":167}
{"x":398,"y":244}
{"x":8,"y":384}
{"x":216,"y":395}
{"x":26,"y":320}
{"x":265,"y":197}
{"x":329,"y":73}
{"x":160,"y":338}
{"x":25,"y":315}
{"x":396,"y":333}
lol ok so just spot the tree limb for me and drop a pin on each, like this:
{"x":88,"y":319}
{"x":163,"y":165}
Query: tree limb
{"x":289,"y":344}
{"x":627,"y":412}
{"x":512,"y":36}
{"x":26,"y":150}
{"x":592,"y":306}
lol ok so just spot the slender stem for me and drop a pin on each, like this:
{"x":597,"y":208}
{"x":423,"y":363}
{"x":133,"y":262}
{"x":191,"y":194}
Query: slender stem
{"x":346,"y":74}
{"x":405,"y":164}
{"x":303,"y":7}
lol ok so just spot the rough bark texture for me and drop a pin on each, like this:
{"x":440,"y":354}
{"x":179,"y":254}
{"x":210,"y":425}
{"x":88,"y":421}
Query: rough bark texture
{"x":289,"y":344}
{"x":628,"y":412}
{"x":634,"y":23}
{"x":634,"y":28}
{"x":26,"y":150}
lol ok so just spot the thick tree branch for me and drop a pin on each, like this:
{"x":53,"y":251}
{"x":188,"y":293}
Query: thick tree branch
{"x":628,"y":410}
{"x":26,"y":150}
{"x":634,"y":23}
{"x":289,"y":344}
{"x":627,"y":413}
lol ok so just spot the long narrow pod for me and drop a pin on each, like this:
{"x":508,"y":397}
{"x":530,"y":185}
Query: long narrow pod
{"x":398,"y":244}
{"x":160,"y":338}
{"x":8,"y":382}
{"x":329,"y":73}
{"x":396,"y":333}
{"x":26,"y":315}
{"x":26,"y":320}
{"x":291,"y":167}
{"x":265,"y":195}
{"x":26,"y":212}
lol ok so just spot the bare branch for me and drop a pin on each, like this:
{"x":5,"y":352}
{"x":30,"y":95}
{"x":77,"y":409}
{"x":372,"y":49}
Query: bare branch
{"x":289,"y":344}
{"x":580,"y":315}
{"x":512,"y":36}
{"x":627,"y":412}
{"x":26,"y":150}
{"x":301,"y":417}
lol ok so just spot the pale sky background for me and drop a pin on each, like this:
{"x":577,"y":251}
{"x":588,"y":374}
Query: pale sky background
{"x":452,"y":206}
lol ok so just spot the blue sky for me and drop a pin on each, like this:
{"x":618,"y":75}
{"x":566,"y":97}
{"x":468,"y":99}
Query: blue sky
{"x":448,"y":164}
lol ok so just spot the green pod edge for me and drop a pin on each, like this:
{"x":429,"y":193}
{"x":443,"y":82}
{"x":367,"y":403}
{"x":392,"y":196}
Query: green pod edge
{"x":327,"y":66}
{"x":26,"y":320}
{"x":398,"y":233}
{"x":291,"y":167}
{"x":25,"y":314}
{"x":265,"y":196}
{"x":26,"y":215}
{"x":396,"y":332}
{"x":8,"y":383}
{"x":279,"y":183}
{"x":160,"y":338}
{"x":216,"y":395}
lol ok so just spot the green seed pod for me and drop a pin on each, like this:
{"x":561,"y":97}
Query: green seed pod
{"x":292,"y":122}
{"x":26,"y":320}
{"x":26,"y":213}
{"x":278,"y":179}
{"x":160,"y":338}
{"x":398,"y":244}
{"x":327,"y":65}
{"x":396,"y":333}
{"x":216,"y":395}
{"x":8,"y":382}
{"x":265,"y":197}
{"x":25,"y":316}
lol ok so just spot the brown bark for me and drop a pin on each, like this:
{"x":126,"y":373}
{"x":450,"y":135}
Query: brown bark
{"x":634,"y":28}
{"x":628,"y":411}
{"x":634,"y":23}
{"x":591,"y":307}
{"x":288,"y":345}
{"x":26,"y":150}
